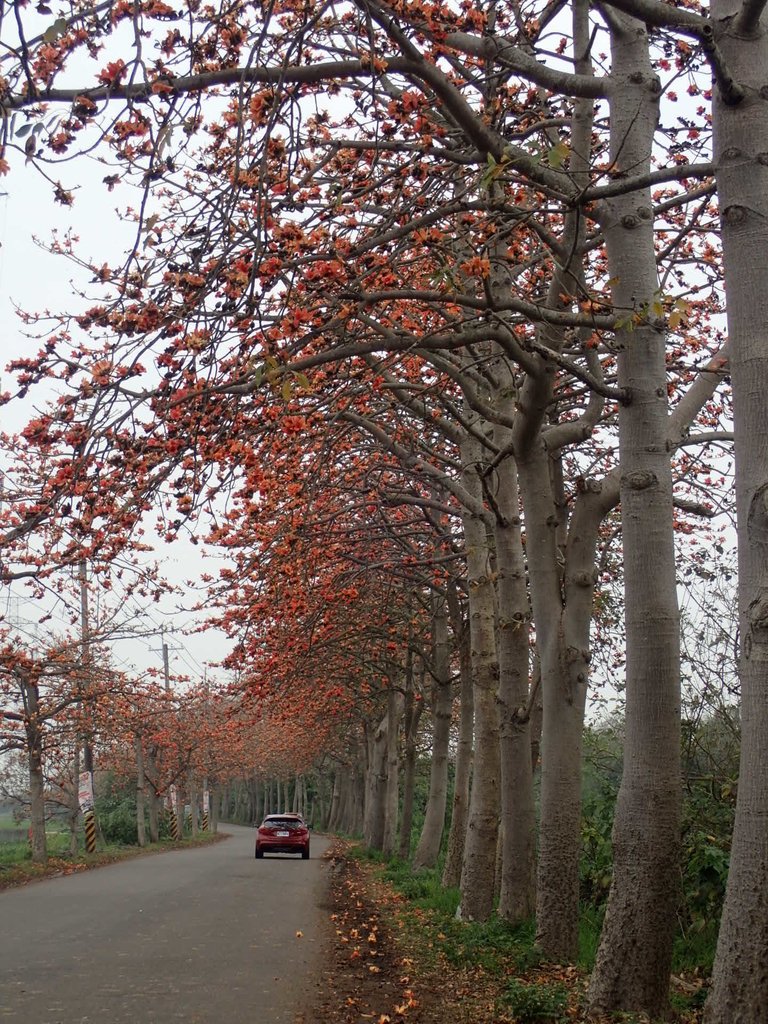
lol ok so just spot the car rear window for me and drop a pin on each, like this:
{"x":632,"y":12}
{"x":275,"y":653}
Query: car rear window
{"x":284,"y":822}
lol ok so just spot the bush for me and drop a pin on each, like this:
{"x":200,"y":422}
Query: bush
{"x":119,"y":825}
{"x":116,"y":814}
{"x":535,"y":1004}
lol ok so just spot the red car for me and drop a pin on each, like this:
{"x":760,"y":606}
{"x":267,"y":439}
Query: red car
{"x":283,"y":833}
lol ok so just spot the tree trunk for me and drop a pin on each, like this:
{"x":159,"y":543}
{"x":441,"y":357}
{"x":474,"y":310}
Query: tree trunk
{"x":194,"y":817}
{"x":557,"y":887}
{"x":460,"y":805}
{"x":517,"y":896}
{"x":36,"y":780}
{"x":357,"y":801}
{"x":479,"y":866}
{"x":178,"y":810}
{"x":141,"y":829}
{"x":739,"y":992}
{"x":634,"y":959}
{"x":346,"y":804}
{"x":214,"y":804}
{"x":392,"y":785}
{"x":562,"y":691}
{"x":411,"y":717}
{"x":150,"y":770}
{"x":375,"y":789}
{"x":333,"y":813}
{"x":74,"y":804}
{"x":428,"y":848}
{"x":537,"y":714}
{"x":256,"y":792}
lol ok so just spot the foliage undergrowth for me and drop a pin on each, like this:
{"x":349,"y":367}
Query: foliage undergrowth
{"x":533,"y":1002}
{"x":17,"y":867}
{"x":528,"y":988}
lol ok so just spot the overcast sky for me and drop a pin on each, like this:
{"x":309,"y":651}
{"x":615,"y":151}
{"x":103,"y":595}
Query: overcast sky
{"x":36,"y":280}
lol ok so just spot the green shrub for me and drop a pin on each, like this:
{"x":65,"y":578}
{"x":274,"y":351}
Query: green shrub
{"x":596,"y":865}
{"x":535,"y":1004}
{"x":590,"y":927}
{"x":119,"y":825}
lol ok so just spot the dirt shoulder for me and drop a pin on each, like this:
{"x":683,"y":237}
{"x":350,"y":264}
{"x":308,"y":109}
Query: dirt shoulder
{"x":378,"y":971}
{"x":388,"y":962}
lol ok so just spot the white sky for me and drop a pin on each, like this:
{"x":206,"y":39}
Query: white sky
{"x":35,"y":280}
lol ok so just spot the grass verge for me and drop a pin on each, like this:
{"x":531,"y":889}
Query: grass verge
{"x":494,"y":968}
{"x":17,"y":867}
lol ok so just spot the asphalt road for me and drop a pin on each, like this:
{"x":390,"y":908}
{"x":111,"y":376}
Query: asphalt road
{"x":204,"y":936}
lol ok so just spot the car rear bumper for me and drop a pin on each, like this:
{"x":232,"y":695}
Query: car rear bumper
{"x":282,"y":847}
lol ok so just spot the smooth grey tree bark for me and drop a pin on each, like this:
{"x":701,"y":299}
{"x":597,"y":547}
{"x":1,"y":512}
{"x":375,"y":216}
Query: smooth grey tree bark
{"x":392,"y":784}
{"x":517,"y":896}
{"x":334,"y":817}
{"x":34,"y":737}
{"x":141,"y":788}
{"x":479,"y":863}
{"x":73,"y":815}
{"x":194,"y":819}
{"x":634,"y":959}
{"x":561,"y":660}
{"x":375,"y":785}
{"x":155,"y":805}
{"x":412,"y":710}
{"x":179,"y":809}
{"x":462,"y":770}
{"x":431,"y":836}
{"x":739,"y":992}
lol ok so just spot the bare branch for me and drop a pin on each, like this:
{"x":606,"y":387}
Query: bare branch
{"x":748,"y":18}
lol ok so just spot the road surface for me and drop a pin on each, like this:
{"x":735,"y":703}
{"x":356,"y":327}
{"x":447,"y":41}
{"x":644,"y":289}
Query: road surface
{"x":204,"y":936}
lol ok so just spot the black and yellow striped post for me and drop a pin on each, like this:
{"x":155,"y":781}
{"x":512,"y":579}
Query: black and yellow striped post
{"x":206,"y":805}
{"x":89,"y":824}
{"x":171,"y":810}
{"x":86,"y":802}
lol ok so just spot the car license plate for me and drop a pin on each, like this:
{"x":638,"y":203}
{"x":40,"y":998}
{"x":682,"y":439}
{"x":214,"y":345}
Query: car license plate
{"x":283,"y":833}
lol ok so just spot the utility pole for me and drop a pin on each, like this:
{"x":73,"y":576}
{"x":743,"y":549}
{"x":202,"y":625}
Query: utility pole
{"x":86,"y":655}
{"x":166,"y":664}
{"x":85,"y":781}
{"x":176,"y":809}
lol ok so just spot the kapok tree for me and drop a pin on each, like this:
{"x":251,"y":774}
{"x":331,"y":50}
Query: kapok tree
{"x":38,"y":690}
{"x":274,"y":294}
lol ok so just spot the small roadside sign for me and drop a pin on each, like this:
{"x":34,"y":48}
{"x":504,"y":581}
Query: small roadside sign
{"x":85,"y":791}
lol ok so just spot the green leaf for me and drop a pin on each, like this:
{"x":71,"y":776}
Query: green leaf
{"x":558,"y":154}
{"x":55,"y":31}
{"x":287,"y":390}
{"x":680,"y":311}
{"x":302,"y":380}
{"x":626,"y":323}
